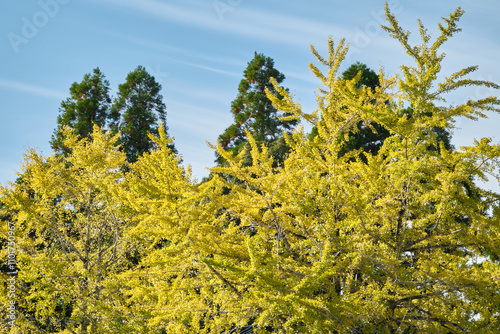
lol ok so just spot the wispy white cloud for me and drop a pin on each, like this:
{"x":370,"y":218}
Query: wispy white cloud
{"x":305,"y":76}
{"x":32,"y":89}
{"x":204,"y":95}
{"x":152,"y":45}
{"x":244,"y":22}
{"x":184,"y":53}
{"x":208,"y":68}
{"x":286,"y":29}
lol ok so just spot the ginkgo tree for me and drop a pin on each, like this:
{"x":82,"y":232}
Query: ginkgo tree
{"x":70,"y":237}
{"x":401,"y":241}
{"x":176,"y":288}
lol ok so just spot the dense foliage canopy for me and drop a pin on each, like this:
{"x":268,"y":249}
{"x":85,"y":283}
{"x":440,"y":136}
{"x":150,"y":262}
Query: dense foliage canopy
{"x":331,"y":241}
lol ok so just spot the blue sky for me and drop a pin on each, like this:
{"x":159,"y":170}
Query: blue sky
{"x":198,"y":49}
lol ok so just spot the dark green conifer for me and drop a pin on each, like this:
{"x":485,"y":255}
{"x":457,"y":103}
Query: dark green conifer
{"x":254,"y":112}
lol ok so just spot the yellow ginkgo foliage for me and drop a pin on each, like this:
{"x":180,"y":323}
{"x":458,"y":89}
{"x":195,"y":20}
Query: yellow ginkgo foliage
{"x":401,"y":240}
{"x":69,"y":237}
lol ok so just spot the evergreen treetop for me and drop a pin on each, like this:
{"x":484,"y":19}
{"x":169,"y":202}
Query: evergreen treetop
{"x":88,"y":105}
{"x":253,"y":111}
{"x":141,"y":105}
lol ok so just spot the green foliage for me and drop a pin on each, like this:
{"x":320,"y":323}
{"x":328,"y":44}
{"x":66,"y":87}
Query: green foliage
{"x":88,"y":105}
{"x":367,"y":78}
{"x":141,"y":105}
{"x":254,"y":112}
